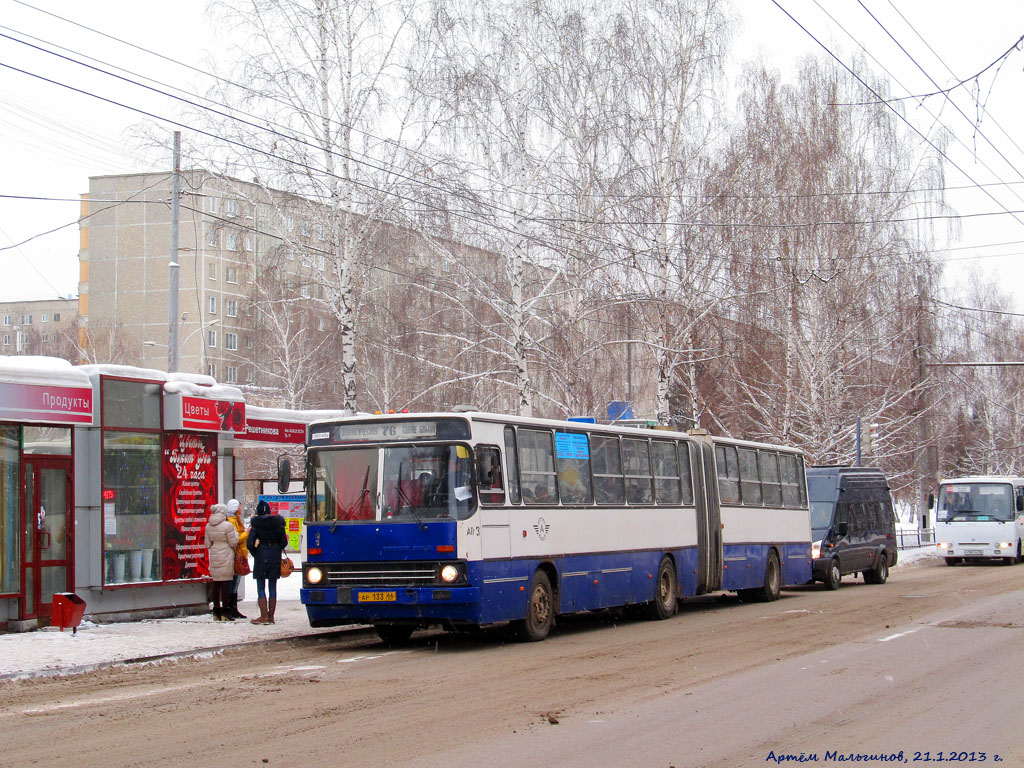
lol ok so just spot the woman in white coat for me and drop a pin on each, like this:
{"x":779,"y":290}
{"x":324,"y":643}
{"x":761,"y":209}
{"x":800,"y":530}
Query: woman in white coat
{"x":221,"y":539}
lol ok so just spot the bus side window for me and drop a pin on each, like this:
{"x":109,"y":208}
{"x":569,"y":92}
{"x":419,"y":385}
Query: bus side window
{"x":573,"y":456}
{"x":685,"y":476}
{"x":607,"y":467}
{"x":636,"y":463}
{"x":750,"y":478}
{"x":666,"y":472}
{"x":537,"y":467}
{"x":512,"y":460}
{"x":728,"y":474}
{"x":489,"y":484}
{"x":770,"y":484}
{"x":794,"y":493}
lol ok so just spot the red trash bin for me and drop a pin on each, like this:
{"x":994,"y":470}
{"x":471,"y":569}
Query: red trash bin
{"x":68,"y":609}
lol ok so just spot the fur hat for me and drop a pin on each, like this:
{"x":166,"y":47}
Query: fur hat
{"x":233,"y":506}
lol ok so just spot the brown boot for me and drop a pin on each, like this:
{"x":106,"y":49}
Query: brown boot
{"x":262,"y":619}
{"x":270,"y":611}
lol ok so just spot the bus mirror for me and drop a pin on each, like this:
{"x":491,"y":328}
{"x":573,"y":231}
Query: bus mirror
{"x":284,"y":474}
{"x":931,"y":501}
{"x":842,"y":529}
{"x":1020,"y":503}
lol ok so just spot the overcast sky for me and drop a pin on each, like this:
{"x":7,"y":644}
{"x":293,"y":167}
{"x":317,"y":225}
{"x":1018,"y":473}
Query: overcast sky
{"x":52,"y":139}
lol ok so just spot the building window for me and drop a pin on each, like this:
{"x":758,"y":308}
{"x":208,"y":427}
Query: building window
{"x":248,"y":342}
{"x":230,"y":374}
{"x":211,"y":339}
{"x":7,"y":339}
{"x":247,"y":243}
{"x":26,"y":319}
{"x":213,"y":305}
{"x":211,"y":370}
{"x":211,"y":270}
{"x":45,"y":337}
{"x":231,"y":341}
{"x":231,"y":307}
{"x":56,"y":317}
{"x":44,"y":318}
{"x":231,"y":208}
{"x":231,"y":274}
{"x":7,"y":319}
{"x":231,"y":241}
{"x":211,"y":204}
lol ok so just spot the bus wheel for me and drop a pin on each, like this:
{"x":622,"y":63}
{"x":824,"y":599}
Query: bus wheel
{"x":953,"y":560}
{"x":834,"y":575}
{"x":540,"y":613}
{"x":394,"y":634}
{"x":880,"y":572}
{"x":664,"y":604}
{"x":772,"y":587}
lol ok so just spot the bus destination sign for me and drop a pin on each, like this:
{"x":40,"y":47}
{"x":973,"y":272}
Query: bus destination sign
{"x":384,"y":431}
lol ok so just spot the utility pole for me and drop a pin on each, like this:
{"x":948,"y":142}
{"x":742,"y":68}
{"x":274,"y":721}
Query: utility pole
{"x":174,"y":268}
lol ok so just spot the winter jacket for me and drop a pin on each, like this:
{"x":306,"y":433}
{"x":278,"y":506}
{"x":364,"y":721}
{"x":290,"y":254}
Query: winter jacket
{"x":221,"y":539}
{"x":267,"y":541}
{"x":243,"y":535}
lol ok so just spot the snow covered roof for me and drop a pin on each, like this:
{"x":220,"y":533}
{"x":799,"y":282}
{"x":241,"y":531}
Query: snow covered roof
{"x":30,"y":369}
{"x":289,"y":414}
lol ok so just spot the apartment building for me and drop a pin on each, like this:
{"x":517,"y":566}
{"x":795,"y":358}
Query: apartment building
{"x":227,"y":229}
{"x":45,"y":327}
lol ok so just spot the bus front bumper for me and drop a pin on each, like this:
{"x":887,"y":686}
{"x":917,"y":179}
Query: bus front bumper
{"x":352,"y":605}
{"x":1000,"y":549}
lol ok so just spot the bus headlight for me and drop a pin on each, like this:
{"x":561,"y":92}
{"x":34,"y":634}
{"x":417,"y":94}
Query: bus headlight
{"x":943,"y":545}
{"x":816,"y":550}
{"x":314,"y":575}
{"x":449,"y":573}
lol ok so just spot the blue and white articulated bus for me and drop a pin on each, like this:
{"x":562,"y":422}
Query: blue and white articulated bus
{"x":464,"y":520}
{"x":980,"y":518}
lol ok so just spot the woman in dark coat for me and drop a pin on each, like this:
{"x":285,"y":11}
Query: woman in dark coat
{"x":267,"y":541}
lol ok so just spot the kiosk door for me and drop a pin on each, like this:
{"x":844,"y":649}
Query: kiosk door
{"x":48,"y":528}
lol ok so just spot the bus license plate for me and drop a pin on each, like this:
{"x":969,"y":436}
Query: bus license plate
{"x":377,"y":597}
{"x":973,"y":551}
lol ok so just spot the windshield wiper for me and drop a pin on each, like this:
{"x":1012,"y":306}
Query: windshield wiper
{"x":402,"y":498}
{"x":359,"y":501}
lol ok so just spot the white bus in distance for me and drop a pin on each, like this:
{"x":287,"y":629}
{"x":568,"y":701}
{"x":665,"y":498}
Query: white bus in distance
{"x":465,"y":520}
{"x":980,"y":518}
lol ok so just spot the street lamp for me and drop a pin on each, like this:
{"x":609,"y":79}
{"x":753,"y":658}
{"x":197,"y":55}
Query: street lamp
{"x":184,"y":341}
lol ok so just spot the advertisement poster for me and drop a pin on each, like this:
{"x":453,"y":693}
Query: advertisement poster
{"x":292,"y":507}
{"x":190,"y":488}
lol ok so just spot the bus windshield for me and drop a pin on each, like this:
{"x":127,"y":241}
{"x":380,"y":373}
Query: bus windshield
{"x":975,"y":502}
{"x":400,"y":483}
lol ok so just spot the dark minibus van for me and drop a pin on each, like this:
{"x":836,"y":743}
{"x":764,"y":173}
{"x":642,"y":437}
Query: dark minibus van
{"x":853,"y":525}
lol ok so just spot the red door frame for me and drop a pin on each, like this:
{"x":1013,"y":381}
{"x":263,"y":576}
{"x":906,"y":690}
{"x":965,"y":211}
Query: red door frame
{"x":30,"y":523}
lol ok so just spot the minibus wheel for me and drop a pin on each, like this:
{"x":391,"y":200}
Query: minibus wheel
{"x":880,"y":572}
{"x":834,"y":575}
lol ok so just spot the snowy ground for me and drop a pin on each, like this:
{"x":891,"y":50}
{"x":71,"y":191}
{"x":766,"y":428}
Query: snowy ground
{"x":50,"y":651}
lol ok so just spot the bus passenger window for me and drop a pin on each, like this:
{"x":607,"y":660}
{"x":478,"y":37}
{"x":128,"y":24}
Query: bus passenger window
{"x":728,"y":474}
{"x":573,"y":455}
{"x":512,"y":460}
{"x":489,"y":484}
{"x":794,"y":491}
{"x":607,"y":466}
{"x":636,"y":465}
{"x":770,"y":485}
{"x":750,"y":477}
{"x":537,"y":466}
{"x":666,"y":472}
{"x":685,"y":476}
